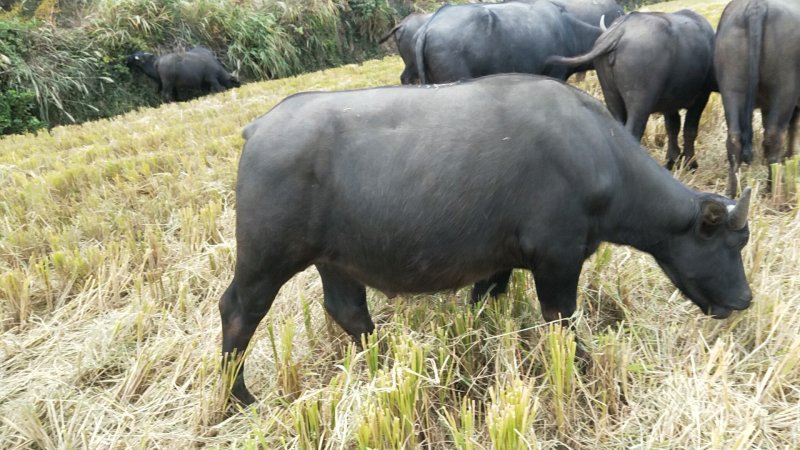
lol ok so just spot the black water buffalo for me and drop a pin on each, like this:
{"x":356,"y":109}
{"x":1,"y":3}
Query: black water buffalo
{"x":656,"y":62}
{"x":468,"y":41}
{"x":593,"y":12}
{"x":419,"y":189}
{"x":196,"y":69}
{"x":757,"y":61}
{"x":404,"y":38}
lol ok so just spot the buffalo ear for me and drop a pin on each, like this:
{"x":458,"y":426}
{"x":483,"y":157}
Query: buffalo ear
{"x":713,"y":215}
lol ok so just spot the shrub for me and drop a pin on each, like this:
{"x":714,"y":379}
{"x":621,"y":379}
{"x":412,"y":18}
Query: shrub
{"x":17,"y":112}
{"x":71,"y":54}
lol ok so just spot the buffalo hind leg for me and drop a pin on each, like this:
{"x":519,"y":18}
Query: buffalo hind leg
{"x":615,"y":103}
{"x":690,"y":126}
{"x":737,"y":149}
{"x":639,"y":106}
{"x":346,"y":302}
{"x":777,"y":119}
{"x":792,"y":135}
{"x":636,"y":123}
{"x":672,"y":122}
{"x":246,"y":301}
{"x":495,"y":286}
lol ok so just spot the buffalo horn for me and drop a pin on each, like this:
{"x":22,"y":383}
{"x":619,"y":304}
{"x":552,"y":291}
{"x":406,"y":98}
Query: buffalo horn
{"x":603,"y":22}
{"x":737,"y":218}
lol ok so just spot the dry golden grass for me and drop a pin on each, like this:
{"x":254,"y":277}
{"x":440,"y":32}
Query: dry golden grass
{"x":116,"y":241}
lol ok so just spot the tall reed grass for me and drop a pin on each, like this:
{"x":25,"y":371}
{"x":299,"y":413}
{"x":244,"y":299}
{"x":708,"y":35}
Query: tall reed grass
{"x":71,"y":58}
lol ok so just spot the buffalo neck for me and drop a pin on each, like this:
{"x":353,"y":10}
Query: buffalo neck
{"x":585,"y":35}
{"x":149,"y":69}
{"x":649,"y":206}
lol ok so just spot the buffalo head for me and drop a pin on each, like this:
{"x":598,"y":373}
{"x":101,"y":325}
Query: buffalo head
{"x":145,"y":62}
{"x":140,"y":59}
{"x":705,"y":261}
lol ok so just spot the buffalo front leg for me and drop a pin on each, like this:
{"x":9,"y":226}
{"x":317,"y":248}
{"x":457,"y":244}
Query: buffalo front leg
{"x":214,"y":86}
{"x":495,"y":286}
{"x":672,"y":122}
{"x":557,"y":288}
{"x":346,"y":302}
{"x":246,"y":301}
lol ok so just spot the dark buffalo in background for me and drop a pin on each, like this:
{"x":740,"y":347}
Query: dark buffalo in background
{"x":404,"y":38}
{"x":757,"y":61}
{"x":656,"y":62}
{"x":197,"y":69}
{"x":589,"y":11}
{"x":412,"y":189}
{"x":593,"y":12}
{"x":468,"y":41}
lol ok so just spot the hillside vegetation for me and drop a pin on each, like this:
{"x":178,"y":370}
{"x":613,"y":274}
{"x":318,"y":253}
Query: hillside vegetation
{"x":63,"y":62}
{"x":116,"y":242}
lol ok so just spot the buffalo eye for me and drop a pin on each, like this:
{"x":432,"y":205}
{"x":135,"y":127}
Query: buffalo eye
{"x":713,"y":215}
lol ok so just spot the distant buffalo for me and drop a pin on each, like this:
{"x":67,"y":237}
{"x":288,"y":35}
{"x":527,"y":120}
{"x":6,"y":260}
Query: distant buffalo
{"x":757,"y":61}
{"x":404,"y":38}
{"x":468,"y":41}
{"x":656,"y":62}
{"x":196,"y":69}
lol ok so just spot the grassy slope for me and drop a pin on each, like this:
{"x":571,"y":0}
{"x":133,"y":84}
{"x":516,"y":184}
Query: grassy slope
{"x":116,"y":241}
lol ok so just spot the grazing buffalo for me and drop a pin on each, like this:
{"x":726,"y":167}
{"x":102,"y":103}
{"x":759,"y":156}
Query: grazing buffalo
{"x":656,"y":62}
{"x":196,"y":69}
{"x":469,"y":41}
{"x":404,"y":39}
{"x":415,"y":189}
{"x":757,"y":61}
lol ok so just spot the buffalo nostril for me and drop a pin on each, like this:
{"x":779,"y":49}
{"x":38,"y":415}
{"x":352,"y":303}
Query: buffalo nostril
{"x":743,"y":302}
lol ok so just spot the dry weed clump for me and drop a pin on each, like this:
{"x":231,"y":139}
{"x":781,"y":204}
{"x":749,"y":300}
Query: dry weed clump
{"x":116,"y":241}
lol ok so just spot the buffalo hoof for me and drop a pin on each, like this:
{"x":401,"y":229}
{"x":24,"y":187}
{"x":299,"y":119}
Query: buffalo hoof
{"x":692,"y":166}
{"x":241,"y":396}
{"x":747,"y":155}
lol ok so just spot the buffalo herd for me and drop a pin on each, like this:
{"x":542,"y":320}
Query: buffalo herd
{"x":413,"y":189}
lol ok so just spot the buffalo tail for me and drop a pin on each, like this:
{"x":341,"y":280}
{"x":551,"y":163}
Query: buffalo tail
{"x":756,"y":12}
{"x":606,"y":43}
{"x":390,"y":33}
